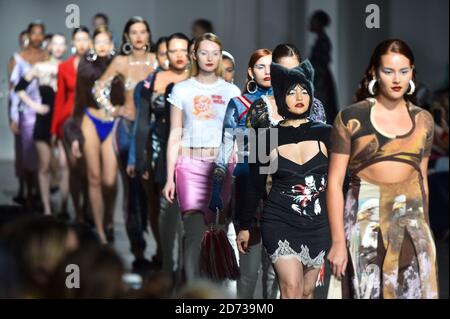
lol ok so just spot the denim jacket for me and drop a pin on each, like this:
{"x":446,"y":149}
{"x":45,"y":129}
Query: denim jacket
{"x":234,"y":128}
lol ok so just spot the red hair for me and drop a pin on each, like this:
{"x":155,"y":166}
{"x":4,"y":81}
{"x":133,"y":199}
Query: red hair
{"x":258,"y":54}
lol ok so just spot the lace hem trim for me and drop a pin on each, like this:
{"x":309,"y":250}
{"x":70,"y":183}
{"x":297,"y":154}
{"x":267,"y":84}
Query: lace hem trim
{"x":285,"y":250}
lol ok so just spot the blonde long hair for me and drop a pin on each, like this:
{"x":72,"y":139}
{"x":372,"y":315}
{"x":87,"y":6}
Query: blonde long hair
{"x":194,"y":70}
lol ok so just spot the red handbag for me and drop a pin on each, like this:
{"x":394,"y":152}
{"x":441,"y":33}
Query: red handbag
{"x":218,"y":260}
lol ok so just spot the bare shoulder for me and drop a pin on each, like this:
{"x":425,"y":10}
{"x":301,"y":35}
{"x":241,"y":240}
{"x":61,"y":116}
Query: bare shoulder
{"x":119,"y":62}
{"x":24,"y":54}
{"x":11,"y":64}
{"x":163,"y":75}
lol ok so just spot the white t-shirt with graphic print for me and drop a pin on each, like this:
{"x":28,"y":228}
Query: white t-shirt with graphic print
{"x":204,"y":107}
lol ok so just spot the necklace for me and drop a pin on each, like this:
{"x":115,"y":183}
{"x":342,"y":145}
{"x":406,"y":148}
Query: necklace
{"x":139,"y":62}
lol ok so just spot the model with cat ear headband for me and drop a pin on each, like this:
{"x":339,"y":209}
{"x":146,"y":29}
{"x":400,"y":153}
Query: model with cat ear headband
{"x":284,"y":80}
{"x":294,"y":222}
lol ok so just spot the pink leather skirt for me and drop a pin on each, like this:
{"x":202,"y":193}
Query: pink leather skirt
{"x":194,"y":179}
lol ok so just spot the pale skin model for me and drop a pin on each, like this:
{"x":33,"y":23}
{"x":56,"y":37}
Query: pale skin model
{"x":44,"y":72}
{"x":296,"y":280}
{"x":208,"y":57}
{"x":390,"y":116}
{"x":301,"y":282}
{"x":133,"y":68}
{"x":81,"y":42}
{"x":100,"y":157}
{"x":261,"y":71}
{"x":177,"y":55}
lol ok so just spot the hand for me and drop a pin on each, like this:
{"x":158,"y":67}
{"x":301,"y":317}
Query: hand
{"x":145,"y":176}
{"x":15,"y":128}
{"x":338,"y":259}
{"x":242,"y":241}
{"x":54,"y":141}
{"x":76,"y":149}
{"x":122,"y":111}
{"x":169,"y":191}
{"x":131,"y":171}
{"x":42,"y":109}
{"x":115,"y":111}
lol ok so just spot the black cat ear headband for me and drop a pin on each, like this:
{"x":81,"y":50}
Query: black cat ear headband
{"x":284,"y":79}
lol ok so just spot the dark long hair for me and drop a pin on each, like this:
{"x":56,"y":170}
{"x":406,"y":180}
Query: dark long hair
{"x":391,"y":45}
{"x":127,"y":27}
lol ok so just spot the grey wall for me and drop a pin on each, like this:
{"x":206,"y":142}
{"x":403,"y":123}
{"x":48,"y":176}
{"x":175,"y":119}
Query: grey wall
{"x":245,"y":25}
{"x":356,"y":42}
{"x":424,"y":26}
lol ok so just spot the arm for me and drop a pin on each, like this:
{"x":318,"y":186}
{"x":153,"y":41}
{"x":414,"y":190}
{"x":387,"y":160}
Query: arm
{"x":102,"y":87}
{"x":173,"y":147}
{"x":424,"y":170}
{"x":430,"y":130}
{"x":335,"y":206}
{"x":224,"y":155}
{"x":60,"y":98}
{"x":21,"y":87}
{"x":10,"y":66}
{"x":14,"y":79}
{"x":230,"y":122}
{"x":334,"y":196}
{"x":339,"y":155}
{"x":256,"y":185}
{"x":72,"y":126}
